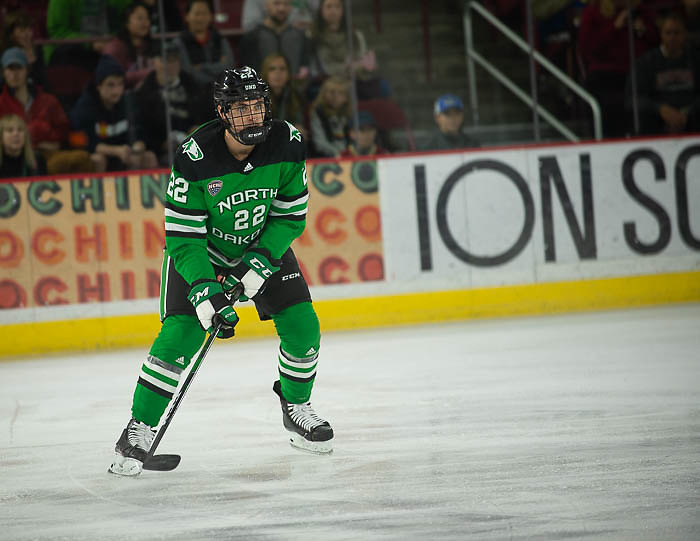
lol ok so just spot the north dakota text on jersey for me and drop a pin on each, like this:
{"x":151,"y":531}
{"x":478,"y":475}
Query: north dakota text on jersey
{"x":244,"y":196}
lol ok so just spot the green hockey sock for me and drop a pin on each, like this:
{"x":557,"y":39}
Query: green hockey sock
{"x":179,"y":339}
{"x":300,"y":339}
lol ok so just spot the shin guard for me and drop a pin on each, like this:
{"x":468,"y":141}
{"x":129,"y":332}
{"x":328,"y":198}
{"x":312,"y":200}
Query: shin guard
{"x":300,"y":339}
{"x":179,"y":339}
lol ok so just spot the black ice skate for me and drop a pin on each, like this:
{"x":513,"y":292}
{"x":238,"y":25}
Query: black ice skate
{"x":132,"y":448}
{"x":308,"y":431}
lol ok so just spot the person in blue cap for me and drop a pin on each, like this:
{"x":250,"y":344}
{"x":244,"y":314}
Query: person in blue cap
{"x":449,"y":117}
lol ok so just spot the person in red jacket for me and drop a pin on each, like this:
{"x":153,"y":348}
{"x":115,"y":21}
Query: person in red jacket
{"x":603,"y":42}
{"x":47,"y":121}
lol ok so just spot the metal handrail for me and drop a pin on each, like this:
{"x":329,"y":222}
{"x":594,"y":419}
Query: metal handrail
{"x":473,"y":56}
{"x":226,"y":32}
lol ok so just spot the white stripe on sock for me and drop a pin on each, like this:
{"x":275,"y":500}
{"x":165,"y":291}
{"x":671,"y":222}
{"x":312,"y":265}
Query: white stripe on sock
{"x":295,"y":364}
{"x":297,"y":374}
{"x":158,"y":383}
{"x":161,"y":370}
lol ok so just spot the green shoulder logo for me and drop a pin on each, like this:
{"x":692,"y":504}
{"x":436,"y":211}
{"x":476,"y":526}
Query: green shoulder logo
{"x":293,"y":132}
{"x":192,"y":149}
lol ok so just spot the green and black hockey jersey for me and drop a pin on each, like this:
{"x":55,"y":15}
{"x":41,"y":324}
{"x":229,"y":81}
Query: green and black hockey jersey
{"x":216,"y":207}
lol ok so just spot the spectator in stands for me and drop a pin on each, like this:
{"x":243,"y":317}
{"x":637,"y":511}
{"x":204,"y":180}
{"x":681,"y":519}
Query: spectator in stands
{"x":274,"y":34}
{"x":329,"y":118}
{"x":82,"y":19}
{"x":668,"y":83}
{"x":18,"y":31}
{"x":301,"y":16}
{"x":132,"y":44}
{"x":17,"y":158}
{"x":557,"y":23}
{"x":363,"y":139}
{"x":47,"y":123}
{"x":557,"y":27}
{"x":204,"y":52}
{"x":331,"y":55}
{"x":287,"y":102}
{"x":448,"y":112}
{"x":604,"y":48}
{"x":691,"y":10}
{"x":171,"y":12}
{"x":101,"y":113}
{"x":188,"y":103}
{"x":509,"y":12}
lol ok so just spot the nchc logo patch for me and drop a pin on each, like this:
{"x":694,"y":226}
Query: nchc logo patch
{"x":214,"y":186}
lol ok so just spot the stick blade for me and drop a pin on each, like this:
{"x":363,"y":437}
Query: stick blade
{"x":162,"y":462}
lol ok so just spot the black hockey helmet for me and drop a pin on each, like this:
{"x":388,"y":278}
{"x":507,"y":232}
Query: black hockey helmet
{"x":239,"y":85}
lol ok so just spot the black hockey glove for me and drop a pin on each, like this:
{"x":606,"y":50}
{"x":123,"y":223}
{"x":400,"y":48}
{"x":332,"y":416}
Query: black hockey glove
{"x":213,"y":307}
{"x":252,"y":272}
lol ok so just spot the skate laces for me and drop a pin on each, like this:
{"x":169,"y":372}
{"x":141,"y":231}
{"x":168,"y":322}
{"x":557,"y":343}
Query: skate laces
{"x":140,"y":435}
{"x":304,"y":416}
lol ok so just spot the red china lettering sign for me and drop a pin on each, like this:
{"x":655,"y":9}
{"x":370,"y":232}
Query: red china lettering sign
{"x":100,"y":239}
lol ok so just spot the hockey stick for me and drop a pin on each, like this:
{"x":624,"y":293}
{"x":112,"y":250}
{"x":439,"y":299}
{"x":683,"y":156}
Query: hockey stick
{"x":170,"y":462}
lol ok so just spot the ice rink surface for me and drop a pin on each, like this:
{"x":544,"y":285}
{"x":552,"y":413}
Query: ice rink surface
{"x":581,"y":426}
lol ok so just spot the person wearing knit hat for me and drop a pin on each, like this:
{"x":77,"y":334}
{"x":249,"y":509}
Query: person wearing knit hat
{"x":106,"y":67}
{"x":101,"y":114}
{"x":363,"y":138}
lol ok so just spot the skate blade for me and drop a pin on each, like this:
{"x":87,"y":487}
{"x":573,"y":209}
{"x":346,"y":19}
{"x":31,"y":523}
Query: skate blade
{"x":127,"y":467}
{"x":315,"y":447}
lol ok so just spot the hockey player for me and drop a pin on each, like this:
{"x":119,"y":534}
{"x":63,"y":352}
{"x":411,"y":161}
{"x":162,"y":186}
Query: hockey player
{"x":236,"y":199}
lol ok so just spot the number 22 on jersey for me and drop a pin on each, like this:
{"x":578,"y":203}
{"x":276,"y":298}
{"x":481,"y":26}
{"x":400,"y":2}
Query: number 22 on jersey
{"x":242,"y":218}
{"x":177,"y":189}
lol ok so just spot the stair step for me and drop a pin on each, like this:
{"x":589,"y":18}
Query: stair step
{"x":400,"y":52}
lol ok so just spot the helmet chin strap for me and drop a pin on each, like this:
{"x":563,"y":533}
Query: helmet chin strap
{"x":251,"y":135}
